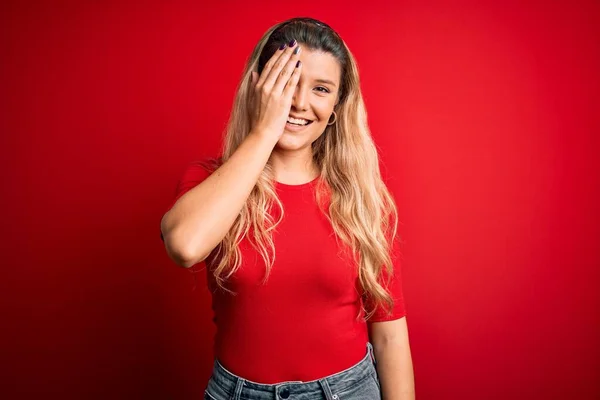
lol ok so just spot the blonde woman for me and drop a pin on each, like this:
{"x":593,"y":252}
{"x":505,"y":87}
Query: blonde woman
{"x":298,"y":233}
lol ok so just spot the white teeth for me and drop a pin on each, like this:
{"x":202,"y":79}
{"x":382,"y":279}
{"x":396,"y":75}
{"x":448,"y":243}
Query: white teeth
{"x":297,"y":121}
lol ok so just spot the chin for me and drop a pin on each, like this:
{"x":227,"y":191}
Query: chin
{"x":290,"y":141}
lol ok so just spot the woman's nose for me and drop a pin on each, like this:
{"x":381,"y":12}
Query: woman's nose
{"x":300,"y":99}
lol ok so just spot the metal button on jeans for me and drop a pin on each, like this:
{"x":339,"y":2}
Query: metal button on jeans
{"x":285,"y":393}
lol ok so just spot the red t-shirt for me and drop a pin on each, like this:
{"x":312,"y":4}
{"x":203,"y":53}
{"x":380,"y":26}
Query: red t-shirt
{"x":301,"y":325}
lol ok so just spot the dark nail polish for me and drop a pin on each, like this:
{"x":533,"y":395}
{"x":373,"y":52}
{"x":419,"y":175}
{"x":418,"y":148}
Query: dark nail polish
{"x":283,"y":46}
{"x":297,"y":50}
{"x":293,"y":43}
{"x":298,"y":64}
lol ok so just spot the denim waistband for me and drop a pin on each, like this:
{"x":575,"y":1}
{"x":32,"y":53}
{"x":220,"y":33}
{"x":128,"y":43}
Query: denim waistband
{"x":233,"y":385}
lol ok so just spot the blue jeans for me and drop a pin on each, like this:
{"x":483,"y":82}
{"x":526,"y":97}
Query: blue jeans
{"x":359,"y":382}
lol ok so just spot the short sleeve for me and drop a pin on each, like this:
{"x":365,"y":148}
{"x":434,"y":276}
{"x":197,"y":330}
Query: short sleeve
{"x":395,"y":289}
{"x":192,"y":176}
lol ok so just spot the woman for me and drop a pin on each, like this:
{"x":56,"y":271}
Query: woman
{"x":298,"y":232}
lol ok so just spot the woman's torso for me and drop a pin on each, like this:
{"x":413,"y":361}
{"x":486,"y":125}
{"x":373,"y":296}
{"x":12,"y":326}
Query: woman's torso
{"x":302,"y":324}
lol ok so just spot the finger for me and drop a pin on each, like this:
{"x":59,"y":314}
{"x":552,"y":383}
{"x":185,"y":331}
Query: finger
{"x":287,"y":71}
{"x":277,"y":67}
{"x":291,"y":84}
{"x":269,"y":65}
{"x":252,"y":93}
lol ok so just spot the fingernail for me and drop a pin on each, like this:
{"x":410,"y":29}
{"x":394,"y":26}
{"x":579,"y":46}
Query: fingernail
{"x":297,"y":50}
{"x":283,"y":46}
{"x":293,"y":43}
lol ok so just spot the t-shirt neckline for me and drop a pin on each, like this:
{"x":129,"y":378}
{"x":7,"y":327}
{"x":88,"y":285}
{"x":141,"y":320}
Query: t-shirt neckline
{"x":297,"y":187}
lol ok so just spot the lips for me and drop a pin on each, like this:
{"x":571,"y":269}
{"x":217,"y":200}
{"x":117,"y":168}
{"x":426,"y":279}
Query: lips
{"x":298,"y":121}
{"x":295,"y":128}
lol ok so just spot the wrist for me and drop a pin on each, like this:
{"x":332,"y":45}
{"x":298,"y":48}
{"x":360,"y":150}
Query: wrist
{"x":265,"y":135}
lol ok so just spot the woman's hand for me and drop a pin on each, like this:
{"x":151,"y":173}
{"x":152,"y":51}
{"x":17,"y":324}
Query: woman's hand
{"x":271,"y":96}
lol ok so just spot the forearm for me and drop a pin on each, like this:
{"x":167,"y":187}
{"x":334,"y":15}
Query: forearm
{"x":201,"y":217}
{"x":395,"y":369}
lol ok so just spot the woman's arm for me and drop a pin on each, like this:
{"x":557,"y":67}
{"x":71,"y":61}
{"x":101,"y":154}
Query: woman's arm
{"x":199,"y":220}
{"x":394,"y":361}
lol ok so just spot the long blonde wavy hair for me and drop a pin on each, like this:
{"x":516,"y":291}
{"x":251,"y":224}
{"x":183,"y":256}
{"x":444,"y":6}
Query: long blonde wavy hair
{"x":361,"y":210}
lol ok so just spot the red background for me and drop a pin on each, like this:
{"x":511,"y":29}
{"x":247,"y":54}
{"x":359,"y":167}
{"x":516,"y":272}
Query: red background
{"x":486,"y":117}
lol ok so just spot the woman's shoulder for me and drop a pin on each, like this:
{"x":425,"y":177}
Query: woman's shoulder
{"x":195,"y":172}
{"x":200,"y":168}
{"x":210,"y":164}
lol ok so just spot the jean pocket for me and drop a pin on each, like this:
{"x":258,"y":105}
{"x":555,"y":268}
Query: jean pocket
{"x":208,"y":396}
{"x":366,"y":389}
{"x":376,"y":379}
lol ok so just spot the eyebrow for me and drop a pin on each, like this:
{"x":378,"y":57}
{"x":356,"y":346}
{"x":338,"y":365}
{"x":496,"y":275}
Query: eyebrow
{"x":326,"y":81}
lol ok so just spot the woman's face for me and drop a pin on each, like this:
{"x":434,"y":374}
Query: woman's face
{"x":314,"y":99}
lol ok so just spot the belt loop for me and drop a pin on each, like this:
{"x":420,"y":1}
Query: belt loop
{"x":371,"y":352}
{"x":327,"y":390}
{"x":238,"y":389}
